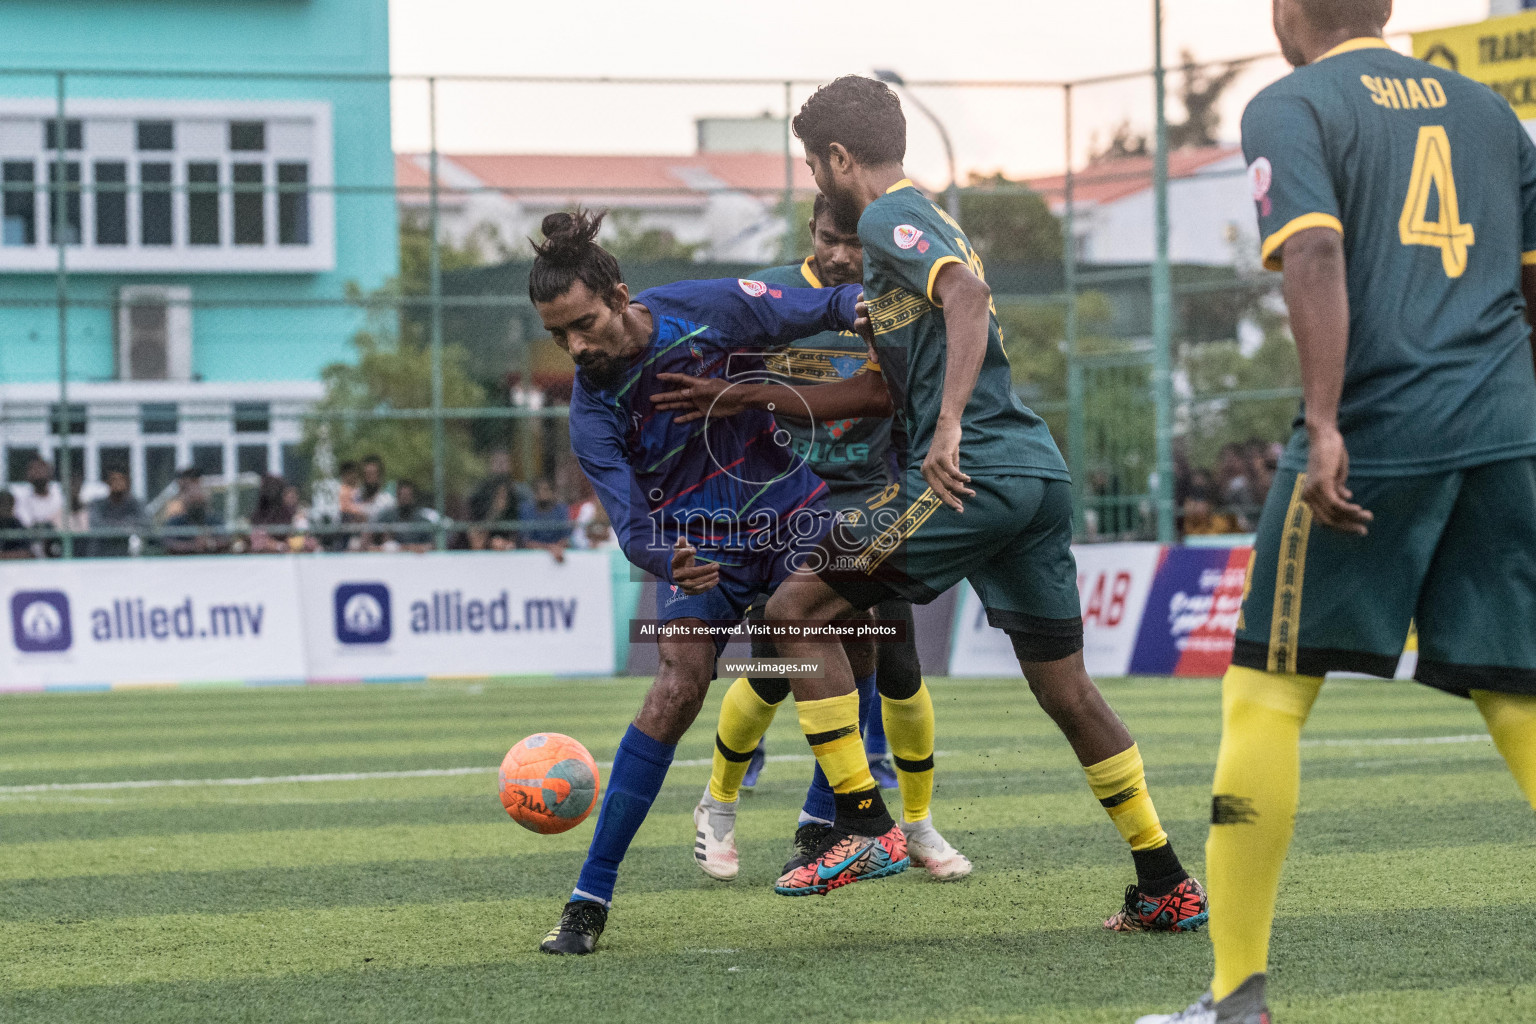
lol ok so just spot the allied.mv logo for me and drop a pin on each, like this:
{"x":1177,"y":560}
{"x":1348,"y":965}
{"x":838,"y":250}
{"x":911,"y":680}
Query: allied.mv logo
{"x":362,"y":613}
{"x":40,"y":621}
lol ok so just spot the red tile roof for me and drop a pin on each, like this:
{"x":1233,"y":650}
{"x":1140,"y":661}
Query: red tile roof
{"x":1116,"y":179}
{"x":555,"y":178}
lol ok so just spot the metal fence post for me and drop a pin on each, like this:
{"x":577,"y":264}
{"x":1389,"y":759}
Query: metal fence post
{"x":1162,"y":297}
{"x":60,"y":222}
{"x":788,"y":248}
{"x":1076,"y":417}
{"x":435,"y":271}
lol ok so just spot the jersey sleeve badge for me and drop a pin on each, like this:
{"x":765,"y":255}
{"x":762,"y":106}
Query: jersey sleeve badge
{"x":907,"y":236}
{"x":756,"y":289}
{"x":1261,"y":175}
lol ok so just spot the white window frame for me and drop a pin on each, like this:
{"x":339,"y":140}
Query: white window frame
{"x":180,"y":257}
{"x":178,"y":327}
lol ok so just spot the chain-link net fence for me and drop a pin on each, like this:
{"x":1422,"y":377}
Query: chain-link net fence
{"x":289,"y":312}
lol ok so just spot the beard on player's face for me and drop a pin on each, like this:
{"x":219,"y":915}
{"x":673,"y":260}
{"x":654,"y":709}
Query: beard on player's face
{"x":841,"y":196}
{"x":843,"y":200}
{"x":603,"y":371}
{"x":603,"y":361}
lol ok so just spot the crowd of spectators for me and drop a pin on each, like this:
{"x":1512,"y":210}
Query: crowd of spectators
{"x":362,"y":509}
{"x":1228,"y":498}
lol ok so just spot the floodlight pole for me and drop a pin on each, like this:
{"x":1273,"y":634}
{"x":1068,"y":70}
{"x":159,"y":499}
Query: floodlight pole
{"x":435,"y":272}
{"x":951,"y":194}
{"x":788,"y":248}
{"x":1162,"y":296}
{"x":1076,"y":419}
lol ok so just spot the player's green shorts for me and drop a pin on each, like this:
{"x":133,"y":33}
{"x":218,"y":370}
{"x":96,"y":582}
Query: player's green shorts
{"x":1454,"y":552}
{"x":1013,"y":543}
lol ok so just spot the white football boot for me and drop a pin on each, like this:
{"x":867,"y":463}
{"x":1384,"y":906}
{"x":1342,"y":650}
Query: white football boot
{"x":932,"y":852}
{"x":1244,"y":1006}
{"x":1201,"y":1012}
{"x":714,"y":843}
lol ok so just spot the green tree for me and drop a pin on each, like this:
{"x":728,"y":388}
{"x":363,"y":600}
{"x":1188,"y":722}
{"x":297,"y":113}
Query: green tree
{"x":632,"y":243}
{"x":393,"y":371}
{"x":1219,"y":368}
{"x":1007,"y":221}
{"x":483,"y":245}
{"x":799,"y":238}
{"x":1200,"y":92}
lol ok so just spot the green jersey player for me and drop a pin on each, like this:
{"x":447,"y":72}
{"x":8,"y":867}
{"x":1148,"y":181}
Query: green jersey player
{"x":1399,"y":199}
{"x":854,"y":455}
{"x":985,"y":495}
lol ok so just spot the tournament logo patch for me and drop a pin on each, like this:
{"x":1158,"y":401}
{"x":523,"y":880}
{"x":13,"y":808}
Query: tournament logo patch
{"x":756,"y":289}
{"x":906,"y":236}
{"x":1261,"y":175}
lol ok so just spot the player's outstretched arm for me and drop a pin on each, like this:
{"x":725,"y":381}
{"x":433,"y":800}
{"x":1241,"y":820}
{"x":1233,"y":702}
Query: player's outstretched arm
{"x":965,"y":299}
{"x":1316,"y":294}
{"x":693,"y":398}
{"x":598,"y":442}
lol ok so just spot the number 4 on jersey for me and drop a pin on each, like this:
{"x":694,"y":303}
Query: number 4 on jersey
{"x":1432,"y":180}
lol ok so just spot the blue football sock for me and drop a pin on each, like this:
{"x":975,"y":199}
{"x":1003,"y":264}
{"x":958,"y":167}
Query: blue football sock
{"x":819,"y":802}
{"x":633,"y":782}
{"x":870,"y":721}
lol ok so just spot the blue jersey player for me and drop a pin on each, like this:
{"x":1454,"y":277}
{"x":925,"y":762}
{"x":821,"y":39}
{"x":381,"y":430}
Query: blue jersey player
{"x":719,"y":511}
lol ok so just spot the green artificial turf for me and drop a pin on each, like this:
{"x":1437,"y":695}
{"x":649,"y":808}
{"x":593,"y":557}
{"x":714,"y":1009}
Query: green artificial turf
{"x":1407,"y":898}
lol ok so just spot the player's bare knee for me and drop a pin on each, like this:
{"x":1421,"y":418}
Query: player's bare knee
{"x":805,"y":597}
{"x":677,"y":695}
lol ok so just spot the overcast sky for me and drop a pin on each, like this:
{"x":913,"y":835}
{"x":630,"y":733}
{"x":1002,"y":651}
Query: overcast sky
{"x":1013,"y":130}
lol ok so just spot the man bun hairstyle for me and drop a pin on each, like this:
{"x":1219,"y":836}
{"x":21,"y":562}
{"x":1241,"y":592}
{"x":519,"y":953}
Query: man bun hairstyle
{"x":1337,"y":15}
{"x":860,"y":113}
{"x":570,"y":253}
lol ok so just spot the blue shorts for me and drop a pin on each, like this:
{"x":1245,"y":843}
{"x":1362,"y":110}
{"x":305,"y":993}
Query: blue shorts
{"x":745,"y":575}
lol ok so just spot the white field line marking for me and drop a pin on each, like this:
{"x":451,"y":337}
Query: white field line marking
{"x":277,"y":780}
{"x":280,"y":780}
{"x":701,"y":762}
{"x":1401,"y":741}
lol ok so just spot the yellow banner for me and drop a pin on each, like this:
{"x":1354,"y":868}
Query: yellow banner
{"x":1500,"y":53}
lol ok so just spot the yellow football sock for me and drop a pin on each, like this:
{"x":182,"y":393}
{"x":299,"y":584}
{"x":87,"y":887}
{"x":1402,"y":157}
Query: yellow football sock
{"x":1253,"y":814}
{"x":1120,"y":784}
{"x":909,"y":732}
{"x":1511,"y":720}
{"x":744,"y":717}
{"x":831,"y":727}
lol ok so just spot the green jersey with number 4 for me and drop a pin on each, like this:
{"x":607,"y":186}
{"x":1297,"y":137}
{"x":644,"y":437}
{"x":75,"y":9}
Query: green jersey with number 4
{"x":1431,"y":180}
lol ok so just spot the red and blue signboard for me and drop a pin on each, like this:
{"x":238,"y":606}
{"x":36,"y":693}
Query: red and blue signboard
{"x":1192,"y":612}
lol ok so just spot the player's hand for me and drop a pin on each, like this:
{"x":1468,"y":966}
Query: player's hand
{"x":696,"y":397}
{"x":864,"y":327}
{"x":942,"y":466}
{"x":694,"y":579}
{"x":1325,"y":491}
